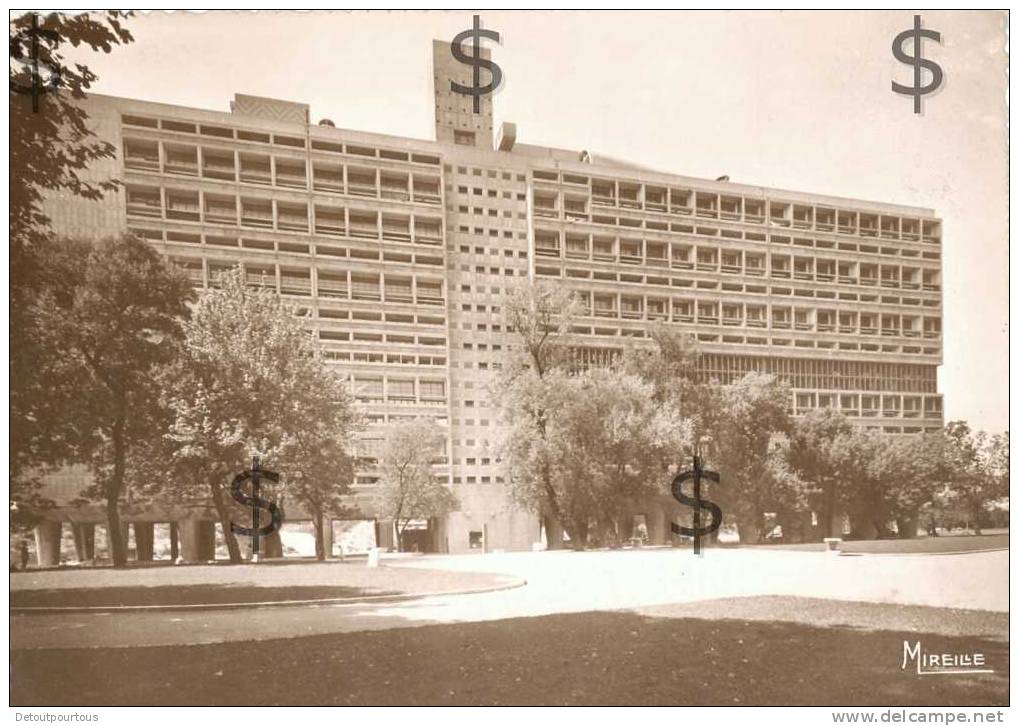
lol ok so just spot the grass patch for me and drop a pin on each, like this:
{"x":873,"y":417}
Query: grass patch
{"x":594,"y":658}
{"x":932,"y":545}
{"x":241,"y":583}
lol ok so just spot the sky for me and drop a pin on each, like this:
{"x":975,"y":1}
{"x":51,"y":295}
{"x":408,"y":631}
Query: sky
{"x":794,"y":100}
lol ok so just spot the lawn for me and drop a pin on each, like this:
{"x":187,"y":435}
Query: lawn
{"x":929,"y":545}
{"x":105,"y":587}
{"x":755,"y":651}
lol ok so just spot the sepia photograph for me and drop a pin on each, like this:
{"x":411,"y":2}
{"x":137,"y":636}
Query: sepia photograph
{"x":494,"y":358}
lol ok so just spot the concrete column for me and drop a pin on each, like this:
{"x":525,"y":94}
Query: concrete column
{"x":327,"y":535}
{"x":385,"y":535}
{"x":625,"y":526}
{"x":190,"y":546}
{"x":837,"y":518}
{"x":47,"y":543}
{"x":174,"y":542}
{"x":84,"y":541}
{"x":144,"y":539}
{"x":658,"y":530}
{"x":207,"y":541}
{"x":272,"y":545}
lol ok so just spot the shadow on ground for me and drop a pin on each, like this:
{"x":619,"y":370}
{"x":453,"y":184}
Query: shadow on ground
{"x":180,"y":595}
{"x":599,"y":658}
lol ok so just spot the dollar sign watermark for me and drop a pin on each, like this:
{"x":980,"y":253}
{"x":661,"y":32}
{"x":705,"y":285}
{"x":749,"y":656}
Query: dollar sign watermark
{"x":917,"y":91}
{"x":476,"y":90}
{"x":255,"y":531}
{"x":30,"y":37}
{"x":697,"y":531}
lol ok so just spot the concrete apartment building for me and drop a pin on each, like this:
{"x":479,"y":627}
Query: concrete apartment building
{"x":402,"y":248}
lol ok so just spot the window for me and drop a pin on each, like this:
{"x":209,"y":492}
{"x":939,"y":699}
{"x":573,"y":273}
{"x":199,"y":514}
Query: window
{"x":464,"y":138}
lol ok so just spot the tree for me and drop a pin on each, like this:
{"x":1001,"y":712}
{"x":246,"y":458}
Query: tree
{"x":811,"y":456}
{"x":51,"y":144}
{"x":613,"y":442}
{"x":408,"y":486}
{"x":51,"y":147}
{"x":103,"y":335}
{"x":529,"y":389}
{"x":250,"y":380}
{"x":978,"y":470}
{"x":315,"y":454}
{"x":913,"y":470}
{"x":745,"y":445}
{"x":864,"y":463}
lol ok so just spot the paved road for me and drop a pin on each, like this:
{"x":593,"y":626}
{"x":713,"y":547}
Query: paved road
{"x":564,"y":582}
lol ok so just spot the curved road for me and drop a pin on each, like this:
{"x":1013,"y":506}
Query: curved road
{"x":562,"y":582}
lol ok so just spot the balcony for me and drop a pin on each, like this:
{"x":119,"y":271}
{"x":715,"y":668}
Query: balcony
{"x":327,"y":178}
{"x":295,"y":285}
{"x":368,"y":290}
{"x":364,"y":226}
{"x":141,"y":155}
{"x":399,"y":291}
{"x":217,"y":166}
{"x":361,"y":184}
{"x":183,"y":161}
{"x":429,"y":293}
{"x":260,"y":277}
{"x":219,"y":212}
{"x":395,"y":230}
{"x":426,"y":190}
{"x":292,"y":219}
{"x":577,"y":250}
{"x":330,"y":222}
{"x":144,"y":204}
{"x":427,"y":232}
{"x":256,"y":215}
{"x":655,"y":200}
{"x":255,"y":170}
{"x":182,"y":207}
{"x":291,"y":177}
{"x":334,"y":286}
{"x":603,"y":195}
{"x":395,"y":188}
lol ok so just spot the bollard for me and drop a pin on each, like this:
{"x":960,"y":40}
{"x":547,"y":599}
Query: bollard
{"x":833,"y":545}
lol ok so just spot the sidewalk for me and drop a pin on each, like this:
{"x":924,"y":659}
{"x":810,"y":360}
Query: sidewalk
{"x":563,"y":582}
